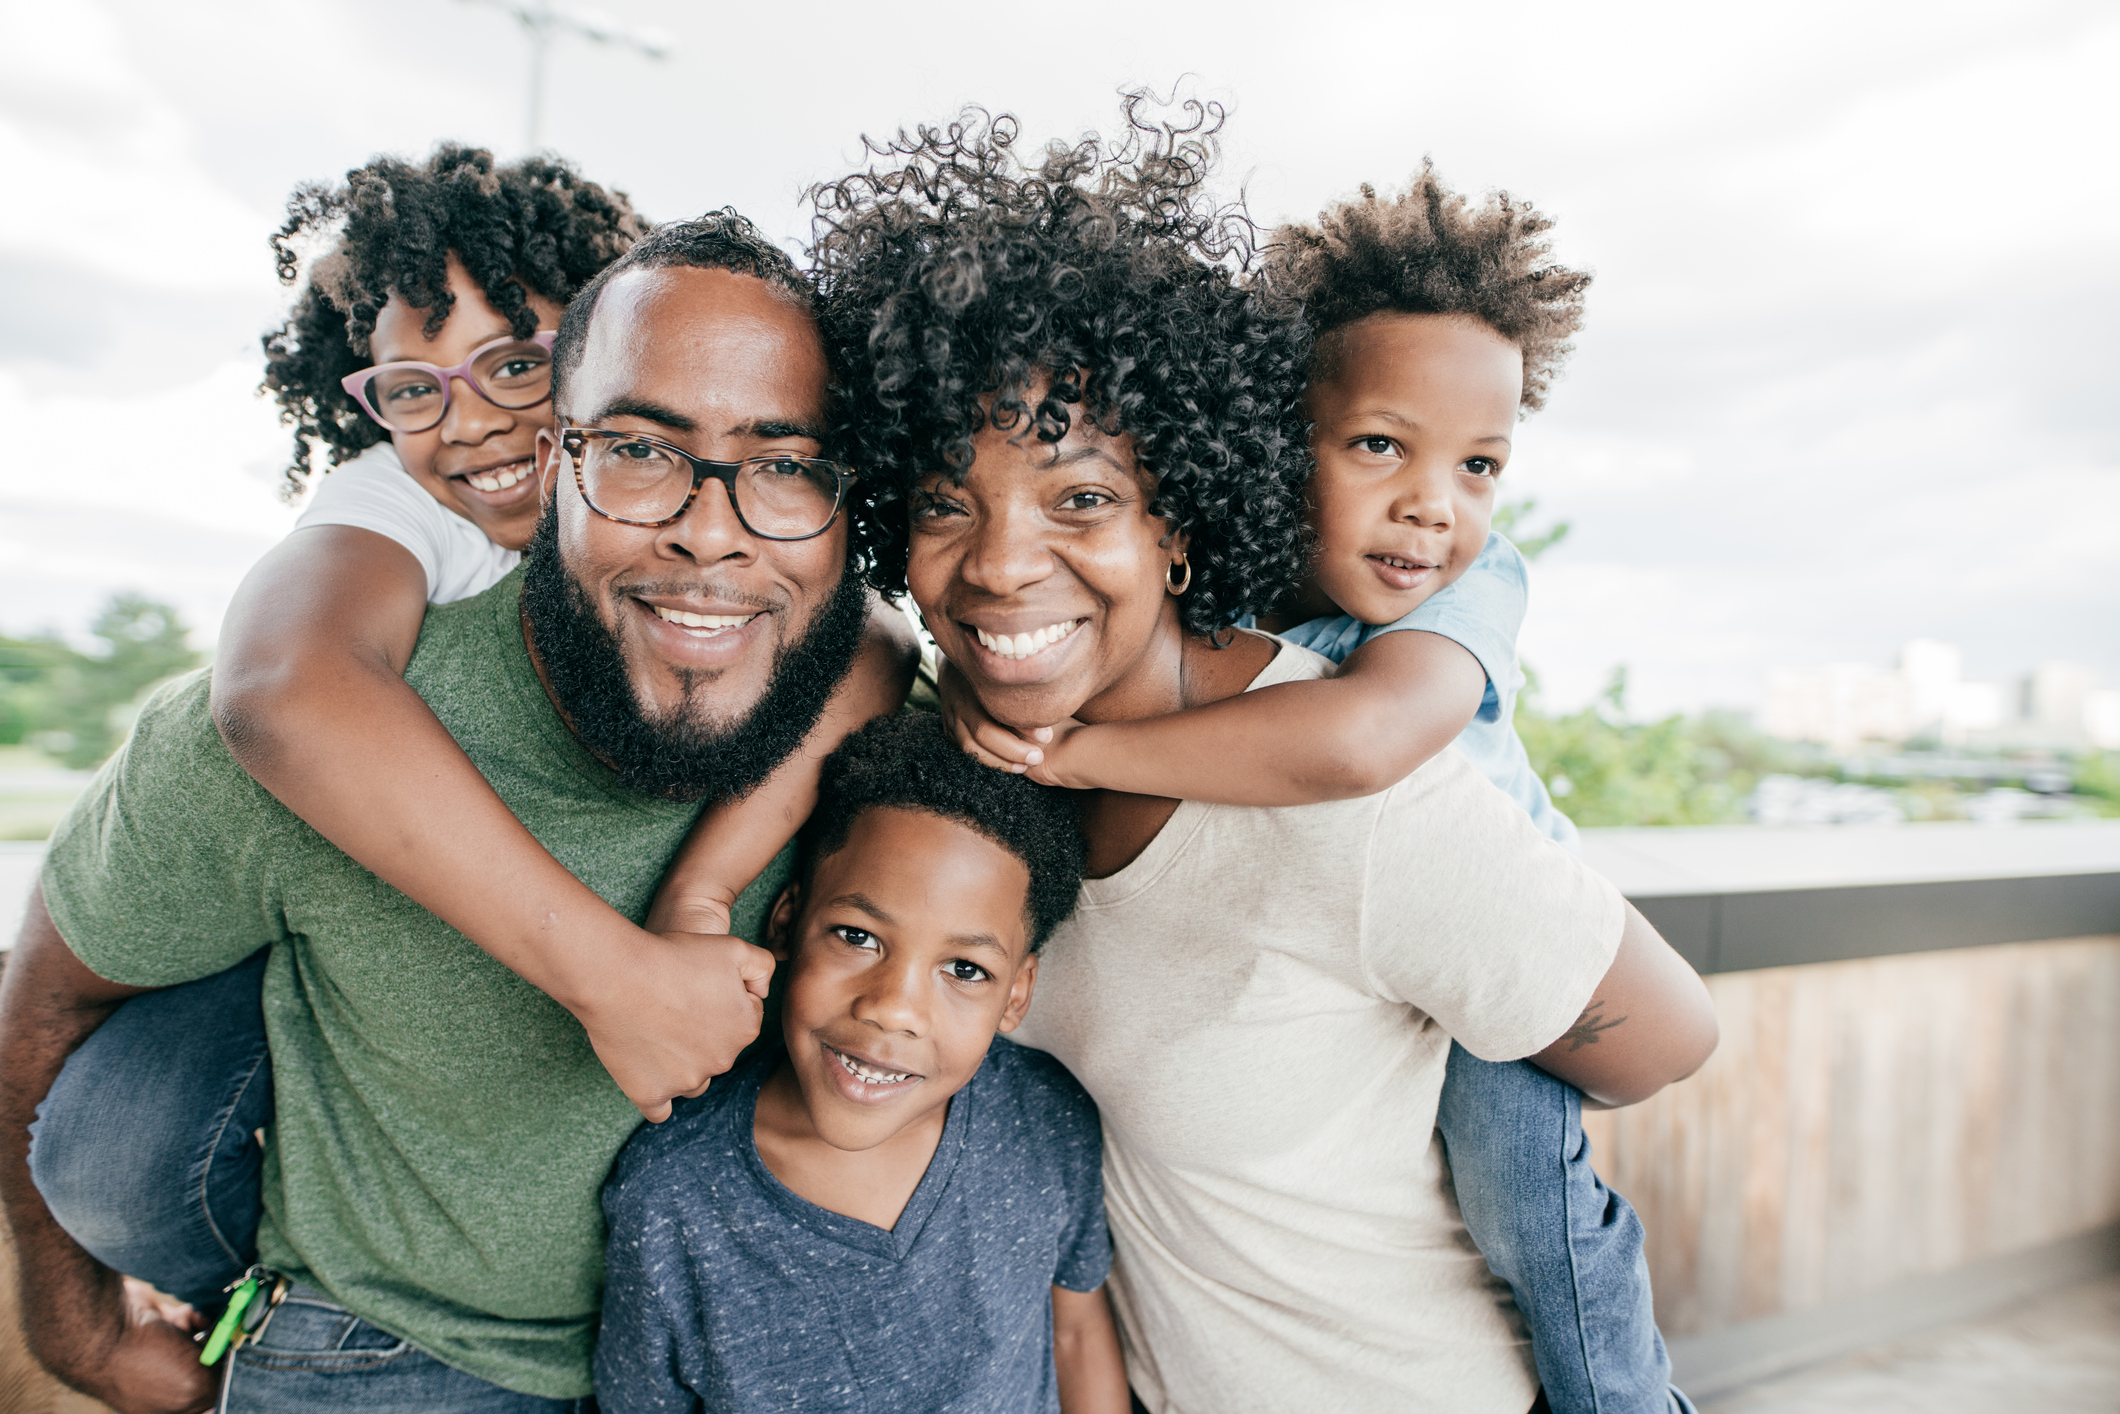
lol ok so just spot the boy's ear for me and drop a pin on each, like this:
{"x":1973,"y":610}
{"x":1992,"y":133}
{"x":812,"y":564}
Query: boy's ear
{"x":1019,"y":995}
{"x":780,"y":925}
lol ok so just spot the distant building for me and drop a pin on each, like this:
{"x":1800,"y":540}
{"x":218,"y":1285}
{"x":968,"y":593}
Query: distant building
{"x":1846,"y":705}
{"x":2101,"y":718}
{"x":2052,"y":697}
{"x":1842,"y":705}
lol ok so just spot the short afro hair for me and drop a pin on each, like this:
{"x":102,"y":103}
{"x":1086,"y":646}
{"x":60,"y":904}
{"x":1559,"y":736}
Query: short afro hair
{"x":909,"y":762}
{"x":528,"y":225}
{"x":719,"y":240}
{"x":955,"y":270}
{"x":1431,"y":251}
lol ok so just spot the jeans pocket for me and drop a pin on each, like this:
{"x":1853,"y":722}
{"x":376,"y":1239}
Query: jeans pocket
{"x":305,"y":1333}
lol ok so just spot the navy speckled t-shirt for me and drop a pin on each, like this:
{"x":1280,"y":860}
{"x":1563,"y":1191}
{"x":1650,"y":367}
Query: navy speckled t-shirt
{"x":725,"y":1291}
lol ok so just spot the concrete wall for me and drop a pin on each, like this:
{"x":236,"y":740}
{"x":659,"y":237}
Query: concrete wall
{"x":1868,"y":1121}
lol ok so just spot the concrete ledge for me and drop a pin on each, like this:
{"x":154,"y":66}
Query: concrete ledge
{"x":1708,"y":1365}
{"x":1648,"y":862}
{"x":1735,"y":932}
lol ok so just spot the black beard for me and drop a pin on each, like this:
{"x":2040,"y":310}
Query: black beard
{"x":687,"y":755}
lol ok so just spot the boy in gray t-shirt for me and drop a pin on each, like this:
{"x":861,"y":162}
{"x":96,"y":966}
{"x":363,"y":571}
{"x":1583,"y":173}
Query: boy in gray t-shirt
{"x":899,"y":1209}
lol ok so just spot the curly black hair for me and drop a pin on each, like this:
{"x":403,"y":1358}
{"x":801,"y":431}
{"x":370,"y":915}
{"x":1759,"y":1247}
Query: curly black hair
{"x":534,"y":224}
{"x":1431,"y":251}
{"x":909,"y":762}
{"x":954,"y":270}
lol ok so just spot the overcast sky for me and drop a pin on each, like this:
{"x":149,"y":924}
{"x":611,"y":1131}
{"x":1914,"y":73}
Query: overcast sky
{"x":1849,"y":375}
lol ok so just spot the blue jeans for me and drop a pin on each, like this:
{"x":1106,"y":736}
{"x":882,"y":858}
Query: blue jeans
{"x":145,"y":1152}
{"x":313,"y":1354}
{"x":1569,"y":1247}
{"x":145,"y":1149}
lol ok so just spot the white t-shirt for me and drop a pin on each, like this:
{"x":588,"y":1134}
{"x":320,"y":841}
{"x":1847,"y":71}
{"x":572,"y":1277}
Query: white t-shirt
{"x":375,"y":492}
{"x":1262,"y":1006}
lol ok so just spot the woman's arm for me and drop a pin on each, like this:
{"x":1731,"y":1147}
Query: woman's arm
{"x":309,"y":694}
{"x":1398,"y":700}
{"x":1649,"y":1023}
{"x":1086,"y":1358}
{"x":734,"y":842}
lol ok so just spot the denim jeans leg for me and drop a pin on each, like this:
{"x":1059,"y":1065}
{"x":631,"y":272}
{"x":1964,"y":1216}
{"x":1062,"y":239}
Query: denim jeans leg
{"x":1569,"y":1247}
{"x":144,"y":1148}
{"x":313,"y":1356}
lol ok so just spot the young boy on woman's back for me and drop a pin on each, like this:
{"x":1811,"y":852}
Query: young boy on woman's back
{"x":1437,"y":323}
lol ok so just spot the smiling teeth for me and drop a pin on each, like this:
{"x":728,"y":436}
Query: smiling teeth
{"x":707,"y":624}
{"x":1023,"y":645}
{"x":501,"y":478}
{"x":869,"y":1073}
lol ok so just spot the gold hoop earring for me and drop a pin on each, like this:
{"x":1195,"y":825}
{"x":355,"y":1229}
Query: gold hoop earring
{"x":1178,"y":585}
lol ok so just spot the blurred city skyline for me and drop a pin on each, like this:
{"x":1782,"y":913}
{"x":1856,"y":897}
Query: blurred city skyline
{"x":1846,"y":381}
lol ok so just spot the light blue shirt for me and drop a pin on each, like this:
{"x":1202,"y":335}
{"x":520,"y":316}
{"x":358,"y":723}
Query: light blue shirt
{"x":1482,"y":612}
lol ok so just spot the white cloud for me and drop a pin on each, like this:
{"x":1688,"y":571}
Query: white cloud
{"x":1819,"y":409}
{"x":1596,"y":461}
{"x":172,"y":493}
{"x":205,"y":454}
{"x":139,"y":206}
{"x":1954,"y":176}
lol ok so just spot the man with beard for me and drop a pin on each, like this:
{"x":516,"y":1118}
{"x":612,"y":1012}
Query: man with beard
{"x":431,"y":1236}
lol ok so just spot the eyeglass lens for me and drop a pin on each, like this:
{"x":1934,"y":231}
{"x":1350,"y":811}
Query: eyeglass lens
{"x":783,"y":497}
{"x":515,"y":374}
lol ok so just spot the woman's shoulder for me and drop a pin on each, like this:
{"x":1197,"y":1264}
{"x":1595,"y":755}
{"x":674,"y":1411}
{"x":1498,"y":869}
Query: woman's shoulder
{"x":1286,"y":661}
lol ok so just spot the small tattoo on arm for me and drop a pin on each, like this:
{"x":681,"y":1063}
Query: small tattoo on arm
{"x":1588,"y":1025}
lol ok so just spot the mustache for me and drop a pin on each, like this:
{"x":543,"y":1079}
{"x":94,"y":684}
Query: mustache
{"x":698,"y":587}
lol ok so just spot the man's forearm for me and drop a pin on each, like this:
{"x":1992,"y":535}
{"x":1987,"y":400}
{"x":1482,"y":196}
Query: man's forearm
{"x":72,"y":1305}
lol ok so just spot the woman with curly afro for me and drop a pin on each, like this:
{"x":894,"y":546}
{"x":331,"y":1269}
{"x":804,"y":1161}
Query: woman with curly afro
{"x":1438,"y":322}
{"x":1100,"y":437}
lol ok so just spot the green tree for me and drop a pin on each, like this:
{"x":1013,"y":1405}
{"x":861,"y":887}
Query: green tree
{"x":80,"y":704}
{"x":2098,"y":778}
{"x":1511,"y":514}
{"x":1604,"y":770}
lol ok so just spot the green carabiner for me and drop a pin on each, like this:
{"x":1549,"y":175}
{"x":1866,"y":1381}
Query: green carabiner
{"x":224,"y":1330}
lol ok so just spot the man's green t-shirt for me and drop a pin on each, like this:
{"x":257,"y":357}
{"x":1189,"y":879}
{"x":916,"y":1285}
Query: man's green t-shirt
{"x":443,"y":1127}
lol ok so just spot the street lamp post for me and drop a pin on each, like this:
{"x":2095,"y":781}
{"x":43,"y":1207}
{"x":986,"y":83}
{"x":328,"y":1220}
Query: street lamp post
{"x":541,"y":20}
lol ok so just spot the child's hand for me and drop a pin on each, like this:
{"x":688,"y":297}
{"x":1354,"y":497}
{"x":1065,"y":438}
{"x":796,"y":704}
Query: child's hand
{"x":1066,"y":753}
{"x":984,"y":739}
{"x":689,"y":911}
{"x":673,"y":1011}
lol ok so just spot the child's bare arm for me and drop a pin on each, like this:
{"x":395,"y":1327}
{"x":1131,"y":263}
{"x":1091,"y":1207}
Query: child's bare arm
{"x":309,"y":694}
{"x":1399,"y":699}
{"x":734,"y":842}
{"x":1086,"y":1358}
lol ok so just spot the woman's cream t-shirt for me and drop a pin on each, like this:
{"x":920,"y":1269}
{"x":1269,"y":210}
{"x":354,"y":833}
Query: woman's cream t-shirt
{"x":1262,"y":1006}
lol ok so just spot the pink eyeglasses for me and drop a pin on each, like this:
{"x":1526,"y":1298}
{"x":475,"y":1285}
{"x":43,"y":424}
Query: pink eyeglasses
{"x":412,"y":397}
